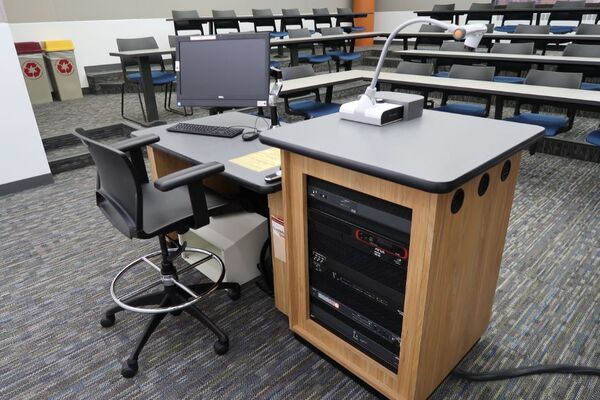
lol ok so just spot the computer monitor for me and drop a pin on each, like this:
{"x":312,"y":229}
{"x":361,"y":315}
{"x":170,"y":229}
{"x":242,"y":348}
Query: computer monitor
{"x":229,"y":70}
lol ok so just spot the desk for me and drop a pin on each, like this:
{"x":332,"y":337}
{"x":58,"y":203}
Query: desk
{"x":545,"y":38}
{"x":176,"y":151}
{"x":252,"y":18}
{"x":480,"y":57}
{"x":507,"y":12}
{"x":422,"y":164}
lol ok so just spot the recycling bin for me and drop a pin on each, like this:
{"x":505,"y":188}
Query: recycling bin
{"x":60,"y":62}
{"x":31,"y":58}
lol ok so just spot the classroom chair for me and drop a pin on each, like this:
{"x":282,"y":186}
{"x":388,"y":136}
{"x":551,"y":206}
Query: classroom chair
{"x":478,"y":73}
{"x":307,"y":108}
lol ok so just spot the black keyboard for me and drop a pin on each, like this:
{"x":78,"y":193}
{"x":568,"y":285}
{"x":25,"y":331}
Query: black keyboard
{"x":206,"y":130}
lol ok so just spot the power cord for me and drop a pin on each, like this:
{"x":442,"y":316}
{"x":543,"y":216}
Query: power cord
{"x":524,"y":371}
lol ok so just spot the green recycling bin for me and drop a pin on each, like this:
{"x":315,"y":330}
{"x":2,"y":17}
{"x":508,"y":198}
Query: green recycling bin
{"x":62,"y":68}
{"x":31,"y":58}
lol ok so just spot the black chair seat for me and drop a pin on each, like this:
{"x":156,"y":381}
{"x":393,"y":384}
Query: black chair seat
{"x":159,"y":219}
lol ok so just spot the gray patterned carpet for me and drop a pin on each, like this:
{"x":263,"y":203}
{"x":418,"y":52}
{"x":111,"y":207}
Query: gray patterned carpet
{"x":59,"y":255}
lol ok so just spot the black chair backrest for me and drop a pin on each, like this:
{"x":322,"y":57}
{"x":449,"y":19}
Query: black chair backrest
{"x":588,"y":29}
{"x":144,"y":43}
{"x":570,"y":80}
{"x":443,"y":7}
{"x":336,"y":30}
{"x":186,"y":25}
{"x":533,"y":29}
{"x":451,"y":45}
{"x":414,"y":68}
{"x":232,"y":23}
{"x":582,"y":50}
{"x":481,"y":16}
{"x":429,"y":41}
{"x":520,"y":16}
{"x":477,"y":73}
{"x":513,"y":48}
{"x":118,"y":192}
{"x":298,"y":34}
{"x":339,"y":19}
{"x":321,"y":17}
{"x":292,"y":18}
{"x":298,"y":71}
{"x":263,"y":12}
{"x":565,"y":15}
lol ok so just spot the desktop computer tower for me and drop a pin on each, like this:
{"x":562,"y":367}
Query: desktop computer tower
{"x":358,"y":255}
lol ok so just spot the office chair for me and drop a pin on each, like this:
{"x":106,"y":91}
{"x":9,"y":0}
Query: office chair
{"x":312,"y":57}
{"x":159,"y":78}
{"x":186,"y":25}
{"x":415,"y":68}
{"x":443,"y":7}
{"x":477,"y":73}
{"x":140,"y":209}
{"x":517,"y":68}
{"x":291,"y":17}
{"x":526,"y":15}
{"x":583,"y":50}
{"x":480,"y":17}
{"x":306,"y":108}
{"x":340,"y":53}
{"x":565,"y":16}
{"x":533,"y":29}
{"x":449,"y":45}
{"x":232,"y":23}
{"x":321,"y":17}
{"x":346,"y":22}
{"x":269,"y":23}
{"x":553,"y":124}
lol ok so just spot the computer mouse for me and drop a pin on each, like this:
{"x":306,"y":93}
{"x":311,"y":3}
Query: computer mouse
{"x":248,"y":136}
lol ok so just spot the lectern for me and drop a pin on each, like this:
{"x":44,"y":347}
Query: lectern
{"x":394,"y":238}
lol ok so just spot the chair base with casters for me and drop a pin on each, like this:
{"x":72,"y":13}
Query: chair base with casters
{"x":553,"y":124}
{"x":174,"y":298}
{"x":593,"y":138}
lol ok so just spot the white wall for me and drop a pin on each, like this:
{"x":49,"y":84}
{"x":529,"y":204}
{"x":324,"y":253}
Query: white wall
{"x":93,"y":40}
{"x":21,"y":152}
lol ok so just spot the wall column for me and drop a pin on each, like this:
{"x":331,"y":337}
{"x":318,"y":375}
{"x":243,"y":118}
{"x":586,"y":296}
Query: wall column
{"x":366,"y":6}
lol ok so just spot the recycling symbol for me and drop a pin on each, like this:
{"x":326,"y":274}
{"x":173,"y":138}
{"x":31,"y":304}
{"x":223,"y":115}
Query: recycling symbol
{"x":64,"y":66}
{"x":32,"y":70}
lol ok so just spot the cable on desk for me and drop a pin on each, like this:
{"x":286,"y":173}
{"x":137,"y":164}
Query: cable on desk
{"x":524,"y":371}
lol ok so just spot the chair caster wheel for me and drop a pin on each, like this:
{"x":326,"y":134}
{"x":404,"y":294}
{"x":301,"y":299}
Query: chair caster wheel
{"x":129,"y":369}
{"x":176,"y":313}
{"x":107,"y":321}
{"x":235,"y":293}
{"x":221,"y":348}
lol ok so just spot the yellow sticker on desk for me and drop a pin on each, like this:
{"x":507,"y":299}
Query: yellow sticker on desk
{"x":260,"y":161}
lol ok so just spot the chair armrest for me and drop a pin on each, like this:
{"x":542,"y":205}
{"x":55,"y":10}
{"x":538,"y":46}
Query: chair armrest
{"x":188,"y":175}
{"x":135,"y":142}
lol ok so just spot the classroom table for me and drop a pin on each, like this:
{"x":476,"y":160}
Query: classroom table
{"x":251,"y":18}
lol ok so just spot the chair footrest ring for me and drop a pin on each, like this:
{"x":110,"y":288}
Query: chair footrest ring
{"x":167,"y":280}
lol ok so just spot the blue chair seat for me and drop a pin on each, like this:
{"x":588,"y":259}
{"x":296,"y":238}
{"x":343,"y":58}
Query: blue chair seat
{"x":552,"y":123}
{"x":314,"y":108}
{"x":278,"y":34}
{"x":345,"y":57}
{"x":358,"y":28}
{"x":464,"y":109}
{"x":590,"y":86}
{"x":335,"y":53}
{"x":506,"y":28}
{"x":314,"y":58}
{"x":594,"y":138}
{"x":562,"y":29}
{"x":158,"y":77}
{"x":509,"y":79}
{"x":275,"y":64}
{"x":441,"y":74}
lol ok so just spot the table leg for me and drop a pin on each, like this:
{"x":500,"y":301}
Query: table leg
{"x":148,"y":90}
{"x":329,"y":94}
{"x":293,"y":55}
{"x":499,"y":107}
{"x":211,"y":27}
{"x":405,"y":43}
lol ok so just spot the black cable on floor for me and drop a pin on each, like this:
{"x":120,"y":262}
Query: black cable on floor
{"x":524,"y":371}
